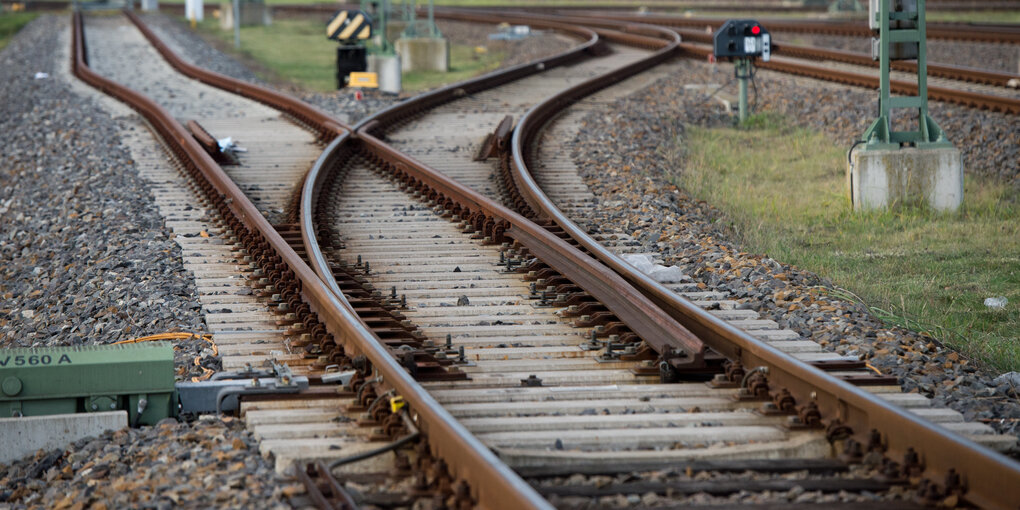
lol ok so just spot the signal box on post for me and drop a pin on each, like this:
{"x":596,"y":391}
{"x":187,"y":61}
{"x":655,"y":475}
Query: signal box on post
{"x":742,"y":38}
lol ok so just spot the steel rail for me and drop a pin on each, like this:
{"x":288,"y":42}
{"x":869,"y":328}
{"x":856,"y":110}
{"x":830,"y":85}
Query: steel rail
{"x":994,"y":103}
{"x":1002,"y":104}
{"x":337,"y":152}
{"x":393,"y":115}
{"x":491,"y":481}
{"x":993,"y":480}
{"x":960,"y":73}
{"x":1005,"y":34}
{"x":323,"y":123}
{"x":645,"y":319}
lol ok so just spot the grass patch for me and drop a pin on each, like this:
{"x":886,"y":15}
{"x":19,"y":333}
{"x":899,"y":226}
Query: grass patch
{"x":11,"y":23}
{"x":464,"y":63}
{"x":785,"y":194}
{"x":297,"y":51}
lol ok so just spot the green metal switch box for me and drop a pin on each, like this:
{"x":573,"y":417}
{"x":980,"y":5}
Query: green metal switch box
{"x":137,"y":378}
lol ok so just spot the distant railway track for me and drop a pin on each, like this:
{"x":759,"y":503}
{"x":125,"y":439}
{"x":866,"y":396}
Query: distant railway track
{"x":1000,"y":34}
{"x":334,"y":315}
{"x":966,"y":74}
{"x":1001,"y":101}
{"x":697,"y":44}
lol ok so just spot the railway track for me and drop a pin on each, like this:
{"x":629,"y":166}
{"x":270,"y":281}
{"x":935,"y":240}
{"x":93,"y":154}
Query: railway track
{"x":999,"y":96}
{"x":976,"y":88}
{"x":965,"y":74}
{"x":999,"y":34}
{"x":389,"y":195}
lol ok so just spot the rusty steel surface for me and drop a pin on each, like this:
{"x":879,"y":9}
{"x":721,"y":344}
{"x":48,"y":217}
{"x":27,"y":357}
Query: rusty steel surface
{"x":992,"y":479}
{"x":968,"y":74}
{"x":839,"y":402}
{"x":1009,"y":105}
{"x":972,"y":99}
{"x":320,"y":121}
{"x":660,"y":331}
{"x":468,"y":458}
{"x":1003,"y":34}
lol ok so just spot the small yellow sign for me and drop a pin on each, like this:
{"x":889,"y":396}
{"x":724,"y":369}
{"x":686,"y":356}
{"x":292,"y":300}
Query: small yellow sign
{"x":364,"y":80}
{"x":396,"y":404}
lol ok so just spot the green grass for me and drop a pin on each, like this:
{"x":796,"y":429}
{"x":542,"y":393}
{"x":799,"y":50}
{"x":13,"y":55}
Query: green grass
{"x":465,"y":63}
{"x":297,"y":51}
{"x":785,"y":194}
{"x":291,"y":50}
{"x":11,"y":22}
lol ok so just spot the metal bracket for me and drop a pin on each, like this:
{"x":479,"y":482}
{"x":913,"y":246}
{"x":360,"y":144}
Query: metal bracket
{"x":907,"y":26}
{"x":224,"y":392}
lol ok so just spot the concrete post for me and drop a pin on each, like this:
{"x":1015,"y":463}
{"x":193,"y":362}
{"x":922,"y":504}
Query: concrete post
{"x":886,"y":178}
{"x":387,"y":68}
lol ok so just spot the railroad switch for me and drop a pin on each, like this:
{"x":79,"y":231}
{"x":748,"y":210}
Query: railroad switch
{"x":136,"y":378}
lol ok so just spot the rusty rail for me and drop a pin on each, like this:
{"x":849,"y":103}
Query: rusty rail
{"x":660,"y":331}
{"x":490,"y":480}
{"x":972,"y":99}
{"x":968,"y":74}
{"x":993,"y":103}
{"x":320,"y":121}
{"x":992,"y":479}
{"x":1003,"y":34}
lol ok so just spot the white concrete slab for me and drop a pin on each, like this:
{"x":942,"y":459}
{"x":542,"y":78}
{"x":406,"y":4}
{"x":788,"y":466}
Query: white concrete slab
{"x":21,"y":437}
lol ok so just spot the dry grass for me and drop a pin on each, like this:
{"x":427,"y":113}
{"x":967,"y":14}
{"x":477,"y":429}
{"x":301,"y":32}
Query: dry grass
{"x":784,"y":193}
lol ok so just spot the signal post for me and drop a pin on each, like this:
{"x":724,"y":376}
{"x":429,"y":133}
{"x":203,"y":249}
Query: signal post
{"x":893,"y":167}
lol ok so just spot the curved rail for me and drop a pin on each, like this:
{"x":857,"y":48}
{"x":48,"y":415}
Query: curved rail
{"x":490,"y":480}
{"x":958,"y":32}
{"x":340,"y":149}
{"x":327,"y":126}
{"x":993,"y":480}
{"x":1003,"y":104}
{"x":644,"y":318}
{"x":969,"y":74}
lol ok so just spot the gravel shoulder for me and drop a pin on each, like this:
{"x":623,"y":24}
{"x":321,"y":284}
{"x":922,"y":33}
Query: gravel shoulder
{"x":84,"y":256}
{"x":84,"y":260}
{"x":993,"y":57}
{"x":623,"y":157}
{"x":205,"y":464}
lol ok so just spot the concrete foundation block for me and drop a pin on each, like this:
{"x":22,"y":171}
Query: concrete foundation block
{"x":21,"y":437}
{"x":424,"y":54}
{"x":879,"y":179}
{"x":387,"y":67}
{"x":150,"y":5}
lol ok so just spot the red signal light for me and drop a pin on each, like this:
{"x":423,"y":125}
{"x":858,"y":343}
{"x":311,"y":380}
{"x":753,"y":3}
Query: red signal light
{"x":756,"y":30}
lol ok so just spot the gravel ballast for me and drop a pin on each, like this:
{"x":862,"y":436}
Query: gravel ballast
{"x":344,"y":104}
{"x":622,"y":154}
{"x":1003,"y":57}
{"x":84,"y":256}
{"x":85,"y":260}
{"x":205,"y":464}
